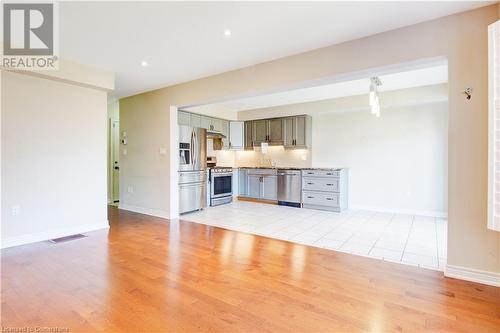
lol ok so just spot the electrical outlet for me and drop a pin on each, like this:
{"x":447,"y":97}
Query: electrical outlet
{"x":16,"y":210}
{"x":130,"y":189}
{"x":124,"y":151}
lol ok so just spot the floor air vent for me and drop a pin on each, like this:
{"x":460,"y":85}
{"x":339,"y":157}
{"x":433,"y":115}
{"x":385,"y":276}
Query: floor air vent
{"x":66,"y":239}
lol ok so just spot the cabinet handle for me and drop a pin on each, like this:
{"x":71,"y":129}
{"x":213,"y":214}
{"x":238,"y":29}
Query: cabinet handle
{"x":329,"y":199}
{"x":310,"y":183}
{"x":329,"y":184}
{"x":309,"y":197}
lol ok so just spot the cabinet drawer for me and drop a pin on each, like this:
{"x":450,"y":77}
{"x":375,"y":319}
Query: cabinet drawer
{"x":320,"y":198}
{"x":320,"y":173}
{"x":262,"y":172}
{"x":191,"y":177}
{"x":327,"y":184}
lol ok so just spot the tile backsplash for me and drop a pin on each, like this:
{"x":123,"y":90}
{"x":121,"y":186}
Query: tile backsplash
{"x":277,"y":155}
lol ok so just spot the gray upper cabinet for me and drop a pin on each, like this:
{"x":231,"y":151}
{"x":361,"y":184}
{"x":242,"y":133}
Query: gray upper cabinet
{"x":248,"y":135}
{"x":292,"y":132}
{"x":183,"y":118}
{"x":275,"y":131}
{"x":300,"y":131}
{"x":205,"y":122}
{"x":259,"y":132}
{"x":268,"y":130}
{"x":236,"y":135}
{"x":216,"y":125}
{"x":224,"y":127}
{"x":297,"y":132}
{"x":288,"y":139}
{"x":195,"y":120}
{"x":225,"y":131}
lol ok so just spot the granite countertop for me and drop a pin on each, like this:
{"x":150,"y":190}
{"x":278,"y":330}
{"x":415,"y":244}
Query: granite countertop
{"x":293,"y":168}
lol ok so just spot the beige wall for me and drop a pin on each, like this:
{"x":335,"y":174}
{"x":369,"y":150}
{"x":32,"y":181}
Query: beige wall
{"x":53,"y":158}
{"x":461,"y":38}
{"x":397,"y":162}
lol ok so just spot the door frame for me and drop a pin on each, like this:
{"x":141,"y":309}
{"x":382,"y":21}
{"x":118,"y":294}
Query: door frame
{"x":114,"y":148}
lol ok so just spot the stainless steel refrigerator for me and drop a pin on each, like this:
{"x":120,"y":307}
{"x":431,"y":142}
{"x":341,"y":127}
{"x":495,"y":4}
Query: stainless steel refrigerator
{"x":192,"y":168}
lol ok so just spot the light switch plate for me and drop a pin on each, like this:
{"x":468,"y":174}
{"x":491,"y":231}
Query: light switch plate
{"x":16,"y":210}
{"x":163,"y":151}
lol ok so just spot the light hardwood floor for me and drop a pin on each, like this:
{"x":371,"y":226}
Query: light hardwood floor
{"x":148,"y":274}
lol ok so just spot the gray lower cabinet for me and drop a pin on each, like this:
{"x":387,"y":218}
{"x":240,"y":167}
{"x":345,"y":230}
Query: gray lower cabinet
{"x":325,"y":189}
{"x":254,"y":186}
{"x":258,"y":183}
{"x":242,"y":183}
{"x":270,"y":188}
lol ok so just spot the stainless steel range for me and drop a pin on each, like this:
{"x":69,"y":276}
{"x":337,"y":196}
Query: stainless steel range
{"x":221,"y":186}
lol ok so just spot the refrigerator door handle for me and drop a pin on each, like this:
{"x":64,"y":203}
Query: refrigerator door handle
{"x":195,"y":149}
{"x":191,"y":151}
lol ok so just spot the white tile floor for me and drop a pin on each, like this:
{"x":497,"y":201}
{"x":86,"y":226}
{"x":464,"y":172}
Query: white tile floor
{"x":408,"y":239}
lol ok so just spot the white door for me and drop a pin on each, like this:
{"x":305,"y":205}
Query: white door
{"x":236,"y":135}
{"x":115,"y":161}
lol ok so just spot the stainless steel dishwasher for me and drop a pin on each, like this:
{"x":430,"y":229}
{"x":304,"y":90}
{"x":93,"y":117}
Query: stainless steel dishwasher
{"x":289,"y":187}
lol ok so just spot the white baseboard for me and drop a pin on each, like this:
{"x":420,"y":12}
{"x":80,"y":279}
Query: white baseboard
{"x":146,"y":211}
{"x":417,"y":212}
{"x":473,"y":275}
{"x":50,"y":234}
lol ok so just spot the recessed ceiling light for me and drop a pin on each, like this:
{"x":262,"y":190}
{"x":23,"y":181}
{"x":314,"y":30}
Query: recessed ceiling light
{"x":227,"y":33}
{"x":144,"y":63}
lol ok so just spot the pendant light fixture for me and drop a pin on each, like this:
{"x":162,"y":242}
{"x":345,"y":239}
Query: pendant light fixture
{"x":373,"y":97}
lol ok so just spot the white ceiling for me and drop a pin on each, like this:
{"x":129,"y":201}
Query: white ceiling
{"x":402,"y":80}
{"x":183,"y":41}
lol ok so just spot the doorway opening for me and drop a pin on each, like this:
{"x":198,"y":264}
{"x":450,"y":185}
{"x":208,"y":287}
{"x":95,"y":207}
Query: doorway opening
{"x":113,"y":153}
{"x":395,"y":155}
